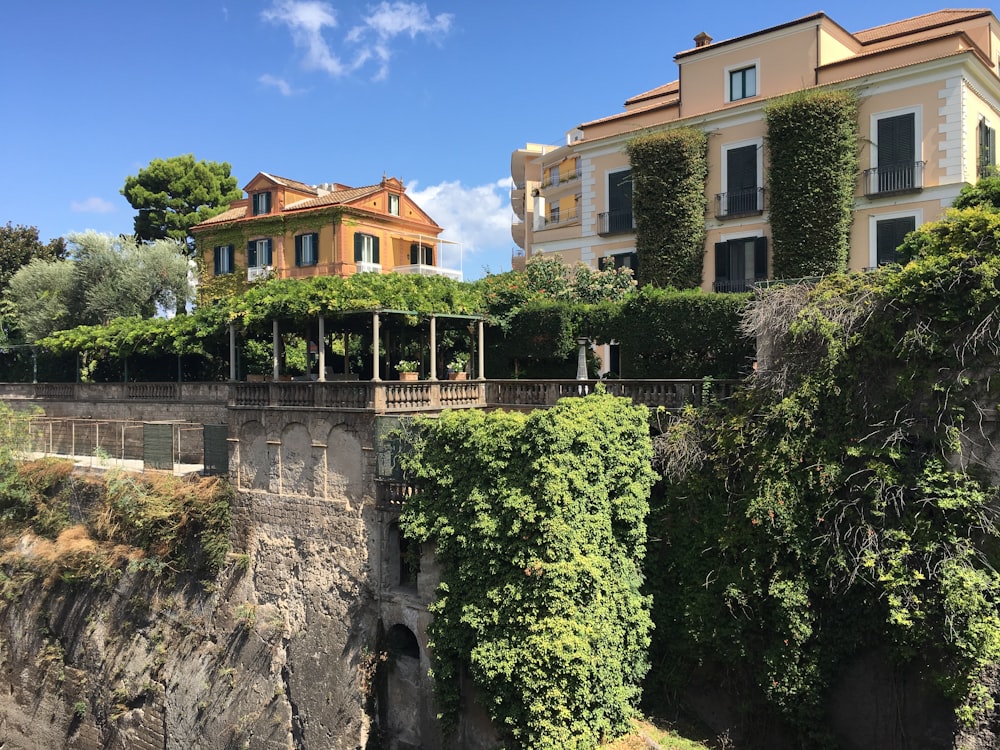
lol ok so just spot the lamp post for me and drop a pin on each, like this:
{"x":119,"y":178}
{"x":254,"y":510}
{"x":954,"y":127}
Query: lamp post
{"x":581,"y":359}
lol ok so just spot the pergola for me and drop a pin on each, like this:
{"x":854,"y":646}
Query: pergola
{"x":378,"y":324}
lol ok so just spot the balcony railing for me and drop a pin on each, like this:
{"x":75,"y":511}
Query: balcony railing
{"x":739,"y":203}
{"x":423,"y":269}
{"x":561,"y":179}
{"x":619,"y":221}
{"x":256,"y":273}
{"x":894,"y":178}
{"x":733,"y":285}
{"x":561,"y":219}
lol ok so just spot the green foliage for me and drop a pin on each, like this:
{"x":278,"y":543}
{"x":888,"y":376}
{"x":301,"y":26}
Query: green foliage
{"x":172,"y":195}
{"x":538,"y":523}
{"x":38,"y":298}
{"x":812,"y":140}
{"x":841,"y":505}
{"x":669,"y":170}
{"x":984,"y":194}
{"x":19,"y":245}
{"x":669,"y":334}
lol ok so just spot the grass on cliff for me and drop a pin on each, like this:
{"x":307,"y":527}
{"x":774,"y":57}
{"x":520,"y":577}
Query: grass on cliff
{"x":81,"y":526}
{"x":647,"y":733}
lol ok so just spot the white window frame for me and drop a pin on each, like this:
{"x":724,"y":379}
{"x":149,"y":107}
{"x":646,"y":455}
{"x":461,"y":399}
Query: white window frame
{"x":313,"y":258}
{"x":874,"y":219}
{"x":393,"y":204}
{"x":261,"y":246}
{"x":918,"y":127}
{"x":253,"y":202}
{"x":727,"y":80}
{"x":228,"y":254}
{"x":368,"y":249}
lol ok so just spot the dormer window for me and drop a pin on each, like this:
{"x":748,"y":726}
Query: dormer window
{"x":261,"y":203}
{"x":393,"y":204}
{"x":741,"y":82}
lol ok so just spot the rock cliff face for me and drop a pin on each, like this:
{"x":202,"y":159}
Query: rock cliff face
{"x":271,"y":654}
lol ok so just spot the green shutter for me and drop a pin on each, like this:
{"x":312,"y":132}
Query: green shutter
{"x":414,"y":254}
{"x":722,"y":261}
{"x":760,"y":258}
{"x":251,"y":254}
{"x":298,"y":249}
{"x":359,"y":244}
{"x":217,"y":252}
{"x":375,"y":250}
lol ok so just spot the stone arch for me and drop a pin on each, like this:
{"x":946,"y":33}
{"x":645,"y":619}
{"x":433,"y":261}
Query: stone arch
{"x":254,"y":463}
{"x":404,"y":689}
{"x":345,"y":464}
{"x":296,"y":460}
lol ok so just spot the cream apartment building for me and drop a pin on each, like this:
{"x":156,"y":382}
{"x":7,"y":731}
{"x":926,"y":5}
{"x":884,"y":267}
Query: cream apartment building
{"x":929,"y":106}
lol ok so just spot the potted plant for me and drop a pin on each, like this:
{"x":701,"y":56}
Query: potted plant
{"x":456,"y":368}
{"x":407,"y":369}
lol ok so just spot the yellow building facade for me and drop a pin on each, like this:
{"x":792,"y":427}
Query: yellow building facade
{"x":288,"y":229}
{"x":928,"y":89}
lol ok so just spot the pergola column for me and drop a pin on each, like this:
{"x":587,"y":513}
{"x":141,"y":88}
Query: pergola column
{"x":232,"y":352}
{"x":434,"y":348}
{"x":375,"y":347}
{"x":274,"y":350}
{"x":321,"y":376}
{"x":482,"y":356}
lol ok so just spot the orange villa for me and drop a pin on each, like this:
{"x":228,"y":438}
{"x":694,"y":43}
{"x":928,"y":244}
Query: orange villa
{"x":929,"y":97}
{"x":288,"y":229}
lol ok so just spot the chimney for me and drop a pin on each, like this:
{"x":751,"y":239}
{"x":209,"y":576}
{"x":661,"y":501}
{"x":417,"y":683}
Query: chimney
{"x":702,"y":40}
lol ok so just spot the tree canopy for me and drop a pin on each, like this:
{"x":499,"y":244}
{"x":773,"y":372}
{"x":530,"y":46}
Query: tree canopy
{"x":107,"y":278}
{"x":172,"y":195}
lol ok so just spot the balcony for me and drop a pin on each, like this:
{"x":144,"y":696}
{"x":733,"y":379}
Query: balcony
{"x":518,"y":233}
{"x":736,"y":203}
{"x":733,"y":285}
{"x":619,"y":221}
{"x":517,"y":201}
{"x":423,"y":269}
{"x":363,"y":267}
{"x":562,"y":178}
{"x":561,"y":219}
{"x":890,"y":179}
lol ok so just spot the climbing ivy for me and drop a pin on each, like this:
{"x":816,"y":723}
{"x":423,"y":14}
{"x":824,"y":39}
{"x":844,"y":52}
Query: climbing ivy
{"x":669,"y":170}
{"x":812,"y":141}
{"x":538,"y":525}
{"x":844,"y":502}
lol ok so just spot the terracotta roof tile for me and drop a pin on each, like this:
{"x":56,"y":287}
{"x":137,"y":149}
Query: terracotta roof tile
{"x":918,"y":23}
{"x":668,"y":88}
{"x":334,"y":198}
{"x":293,"y":184}
{"x":231,"y":214}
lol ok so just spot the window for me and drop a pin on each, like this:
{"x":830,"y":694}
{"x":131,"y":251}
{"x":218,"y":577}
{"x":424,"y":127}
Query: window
{"x":258,"y":253}
{"x":740,"y":262}
{"x":741,"y":194}
{"x":987,"y":162}
{"x":307,"y":249}
{"x":889,"y":234}
{"x":618,"y":219}
{"x":742,"y":83}
{"x":224,"y":257}
{"x":896,"y":166}
{"x":554,"y":212}
{"x":421,"y":255}
{"x":619,"y":260}
{"x":365,"y":248}
{"x":554,"y":175}
{"x":394,"y":204}
{"x":261,"y":203}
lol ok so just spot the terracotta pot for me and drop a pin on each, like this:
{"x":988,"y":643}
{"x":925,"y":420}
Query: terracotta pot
{"x":408,"y":375}
{"x":457,"y":375}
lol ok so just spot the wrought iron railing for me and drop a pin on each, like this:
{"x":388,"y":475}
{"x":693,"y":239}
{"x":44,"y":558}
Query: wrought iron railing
{"x":619,"y":221}
{"x":739,"y":203}
{"x":894,"y":178}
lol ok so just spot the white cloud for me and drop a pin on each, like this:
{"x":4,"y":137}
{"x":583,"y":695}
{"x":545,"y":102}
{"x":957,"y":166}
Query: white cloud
{"x":283,"y":86}
{"x":307,"y":19}
{"x":92,"y":205}
{"x":478,"y":217}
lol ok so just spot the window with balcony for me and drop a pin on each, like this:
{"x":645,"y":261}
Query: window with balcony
{"x":307,"y":249}
{"x":366,"y":251}
{"x":889,"y":235}
{"x":261,"y":204}
{"x":258,"y":253}
{"x":741,"y":82}
{"x":619,"y":260}
{"x":224,"y":259}
{"x":394,"y":204}
{"x":421,"y":255}
{"x":618,"y":218}
{"x":896,"y":168}
{"x":554,"y":212}
{"x":741,"y":180}
{"x":987,"y":148}
{"x":739,"y":263}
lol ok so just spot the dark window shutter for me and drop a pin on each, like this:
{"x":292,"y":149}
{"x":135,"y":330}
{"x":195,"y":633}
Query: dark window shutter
{"x":889,"y":235}
{"x":298,"y":249}
{"x":315,"y":248}
{"x":633,"y":262}
{"x":721,"y":261}
{"x":414,"y":254}
{"x":741,"y":165}
{"x":760,"y":258}
{"x":267,"y":253}
{"x":620,"y":191}
{"x":896,"y":141}
{"x":359,"y":243}
{"x":252,"y":254}
{"x":218,"y":253}
{"x":375,"y":250}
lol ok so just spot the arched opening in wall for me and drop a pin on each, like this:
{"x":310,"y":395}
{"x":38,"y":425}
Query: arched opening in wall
{"x":404,"y":559}
{"x":400,"y":642}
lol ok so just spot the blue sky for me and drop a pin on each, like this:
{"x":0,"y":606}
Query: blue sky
{"x":437,"y":93}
